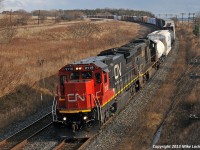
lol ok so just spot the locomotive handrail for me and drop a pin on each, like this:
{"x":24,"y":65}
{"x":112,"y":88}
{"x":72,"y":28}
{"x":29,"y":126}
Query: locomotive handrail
{"x":54,"y":109}
{"x":97,"y":103}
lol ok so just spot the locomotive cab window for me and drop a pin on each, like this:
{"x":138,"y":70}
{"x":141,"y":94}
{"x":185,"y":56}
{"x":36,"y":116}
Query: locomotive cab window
{"x":86,"y":75}
{"x":74,"y":75}
{"x":98,"y":77}
{"x":63,"y":79}
{"x":137,"y":60}
{"x":105,"y":78}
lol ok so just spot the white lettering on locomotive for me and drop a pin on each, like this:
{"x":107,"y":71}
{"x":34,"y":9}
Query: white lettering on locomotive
{"x":117,"y":71}
{"x":74,"y":97}
{"x":106,"y":88}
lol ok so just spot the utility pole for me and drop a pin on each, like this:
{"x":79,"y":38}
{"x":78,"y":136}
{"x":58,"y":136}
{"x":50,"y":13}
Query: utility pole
{"x":170,"y":15}
{"x":10,"y":16}
{"x":55,"y":17}
{"x":189,"y":19}
{"x":41,"y":63}
{"x":176,"y":17}
{"x":182,"y":17}
{"x":166,"y":16}
{"x":39,"y":17}
{"x":199,"y":27}
{"x":193,"y":17}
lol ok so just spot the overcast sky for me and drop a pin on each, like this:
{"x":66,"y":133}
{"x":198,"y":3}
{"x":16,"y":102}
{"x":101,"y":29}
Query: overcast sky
{"x":154,"y":6}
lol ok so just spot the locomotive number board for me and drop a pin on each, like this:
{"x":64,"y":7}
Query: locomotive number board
{"x":88,"y":67}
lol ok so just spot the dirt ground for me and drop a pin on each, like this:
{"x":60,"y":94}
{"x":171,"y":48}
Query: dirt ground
{"x":30,"y":62}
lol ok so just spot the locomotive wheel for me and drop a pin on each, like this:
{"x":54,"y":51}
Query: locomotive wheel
{"x":157,"y":65}
{"x":147,"y":76}
{"x":137,"y":86}
{"x":95,"y":115}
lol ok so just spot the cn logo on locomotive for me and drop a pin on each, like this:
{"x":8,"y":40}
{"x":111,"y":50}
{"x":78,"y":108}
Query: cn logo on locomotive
{"x":74,"y":97}
{"x":117,"y":71}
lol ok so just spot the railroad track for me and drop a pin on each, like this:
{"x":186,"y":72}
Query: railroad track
{"x":71,"y":144}
{"x":19,"y":139}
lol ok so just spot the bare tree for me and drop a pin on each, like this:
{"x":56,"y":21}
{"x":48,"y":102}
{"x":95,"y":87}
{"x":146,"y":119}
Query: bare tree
{"x":22,"y":17}
{"x":7,"y":29}
{"x":196,"y":30}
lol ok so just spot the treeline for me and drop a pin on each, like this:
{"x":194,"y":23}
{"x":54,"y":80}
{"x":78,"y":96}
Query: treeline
{"x":79,"y":12}
{"x":118,"y":12}
{"x":196,"y":30}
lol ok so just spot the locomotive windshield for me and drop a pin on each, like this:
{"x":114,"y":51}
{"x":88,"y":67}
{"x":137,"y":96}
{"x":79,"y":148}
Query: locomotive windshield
{"x":74,"y":75}
{"x":86,"y":75}
{"x":81,"y":75}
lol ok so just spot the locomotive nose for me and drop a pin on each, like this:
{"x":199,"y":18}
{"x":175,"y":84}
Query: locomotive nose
{"x":79,"y":94}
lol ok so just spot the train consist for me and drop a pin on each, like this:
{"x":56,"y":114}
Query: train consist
{"x":93,"y":89}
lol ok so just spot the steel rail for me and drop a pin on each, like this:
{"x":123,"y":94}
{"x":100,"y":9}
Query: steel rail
{"x":16,"y":137}
{"x":24,"y":142}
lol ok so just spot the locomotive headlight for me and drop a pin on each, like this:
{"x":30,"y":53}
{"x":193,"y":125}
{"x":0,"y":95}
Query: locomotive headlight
{"x":64,"y":118}
{"x":85,"y":118}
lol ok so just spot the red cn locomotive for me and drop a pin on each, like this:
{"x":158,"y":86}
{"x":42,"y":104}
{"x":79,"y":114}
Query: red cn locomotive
{"x":91,"y":90}
{"x":83,"y":92}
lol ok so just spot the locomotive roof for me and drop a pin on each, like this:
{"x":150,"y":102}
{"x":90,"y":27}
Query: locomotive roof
{"x":99,"y":61}
{"x":128,"y":49}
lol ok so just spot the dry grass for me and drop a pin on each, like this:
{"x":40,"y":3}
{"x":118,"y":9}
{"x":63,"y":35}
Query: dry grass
{"x":21,"y":71}
{"x":179,"y":129}
{"x":153,"y":115}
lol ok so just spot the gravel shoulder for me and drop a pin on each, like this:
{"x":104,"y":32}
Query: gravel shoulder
{"x":19,"y":125}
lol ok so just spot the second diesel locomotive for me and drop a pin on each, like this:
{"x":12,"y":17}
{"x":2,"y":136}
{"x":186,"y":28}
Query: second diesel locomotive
{"x":93,"y":89}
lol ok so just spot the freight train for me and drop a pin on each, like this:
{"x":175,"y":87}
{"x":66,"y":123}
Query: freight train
{"x":93,"y":89}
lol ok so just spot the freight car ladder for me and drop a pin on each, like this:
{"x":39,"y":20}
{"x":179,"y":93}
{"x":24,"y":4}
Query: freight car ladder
{"x":54,"y":106}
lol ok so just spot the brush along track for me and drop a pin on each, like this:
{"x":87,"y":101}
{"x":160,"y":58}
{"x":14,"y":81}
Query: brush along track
{"x":15,"y":141}
{"x":185,"y":85}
